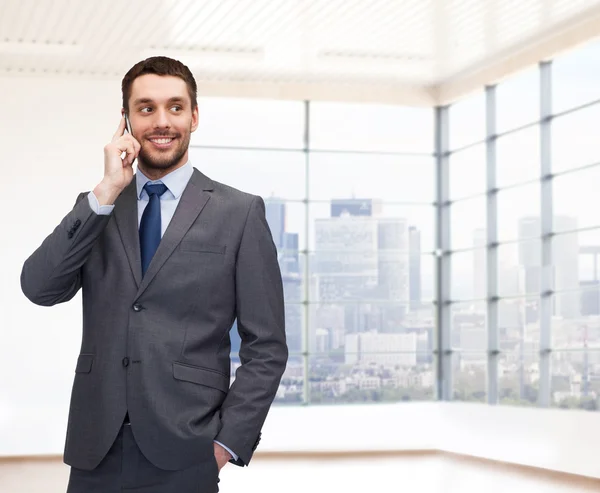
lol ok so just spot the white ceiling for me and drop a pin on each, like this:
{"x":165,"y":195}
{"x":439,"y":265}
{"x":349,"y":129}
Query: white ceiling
{"x":428,"y":51}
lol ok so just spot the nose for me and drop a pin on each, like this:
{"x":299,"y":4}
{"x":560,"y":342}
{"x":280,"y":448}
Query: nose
{"x":161,"y":119}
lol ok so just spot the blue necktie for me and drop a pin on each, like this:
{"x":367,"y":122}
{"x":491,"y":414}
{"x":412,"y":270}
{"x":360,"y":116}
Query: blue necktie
{"x":150,"y":226}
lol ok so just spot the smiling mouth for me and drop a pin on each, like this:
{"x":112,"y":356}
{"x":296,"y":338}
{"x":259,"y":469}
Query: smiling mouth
{"x":162,"y":140}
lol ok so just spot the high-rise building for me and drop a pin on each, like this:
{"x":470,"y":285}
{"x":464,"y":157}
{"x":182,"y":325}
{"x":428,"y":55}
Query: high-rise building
{"x":589,"y":281}
{"x":355,"y":207}
{"x":479,"y":268}
{"x":362,"y":257}
{"x":275,"y":213}
{"x":346,"y":267}
{"x":414,"y":267}
{"x":288,"y":256}
{"x":393,"y":272}
{"x":388,"y":350}
{"x":590,"y":297}
{"x":564,"y":273}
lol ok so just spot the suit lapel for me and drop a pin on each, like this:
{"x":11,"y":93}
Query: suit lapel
{"x":192,"y":201}
{"x":126,"y":217}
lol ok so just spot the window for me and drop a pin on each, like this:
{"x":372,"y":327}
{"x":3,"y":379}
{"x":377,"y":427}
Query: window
{"x":467,"y":121}
{"x":575,"y":78}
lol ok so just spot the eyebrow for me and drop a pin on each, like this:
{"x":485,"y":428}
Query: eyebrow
{"x":175,"y":99}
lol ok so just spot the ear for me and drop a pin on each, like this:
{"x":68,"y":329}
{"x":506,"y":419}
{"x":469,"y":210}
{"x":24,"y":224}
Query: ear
{"x":122,"y":111}
{"x":194,"y":119}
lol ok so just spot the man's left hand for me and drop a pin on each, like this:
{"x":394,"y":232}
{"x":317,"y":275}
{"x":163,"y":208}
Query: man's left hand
{"x":221,"y":455}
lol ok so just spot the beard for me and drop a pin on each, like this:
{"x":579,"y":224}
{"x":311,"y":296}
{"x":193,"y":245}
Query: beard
{"x":156,"y":159}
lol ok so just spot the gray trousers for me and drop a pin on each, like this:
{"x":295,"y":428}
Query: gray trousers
{"x":125,"y":468}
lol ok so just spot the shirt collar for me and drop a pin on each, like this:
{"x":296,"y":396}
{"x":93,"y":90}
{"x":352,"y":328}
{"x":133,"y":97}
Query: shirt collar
{"x":175,"y":181}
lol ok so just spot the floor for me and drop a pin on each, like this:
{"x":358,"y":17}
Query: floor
{"x":423,"y":474}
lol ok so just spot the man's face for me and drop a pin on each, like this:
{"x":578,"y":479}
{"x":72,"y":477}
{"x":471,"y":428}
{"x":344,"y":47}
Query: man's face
{"x":162,"y":120}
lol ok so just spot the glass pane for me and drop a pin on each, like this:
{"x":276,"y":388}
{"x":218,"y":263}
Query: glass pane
{"x":467,"y":219}
{"x":564,"y":272}
{"x":266,"y":173}
{"x":291,"y":387}
{"x":573,"y":382}
{"x":519,"y":268}
{"x":468,"y":275}
{"x":250,"y":123}
{"x":570,"y":327}
{"x":366,"y":224}
{"x":371,"y":127}
{"x":518,"y":324}
{"x":518,"y":100}
{"x":360,"y":376}
{"x":287,"y":222}
{"x":469,"y":377}
{"x":575,"y":139}
{"x":575,"y":77}
{"x":518,"y":212}
{"x":294,"y":325}
{"x":339,"y":319}
{"x":589,"y":255}
{"x":468,"y":326}
{"x":468,"y":172}
{"x":576,"y":199}
{"x":372,"y":177}
{"x":518,"y":378}
{"x":518,"y":157}
{"x":380,"y":275}
{"x":466,"y":121}
{"x":291,"y":264}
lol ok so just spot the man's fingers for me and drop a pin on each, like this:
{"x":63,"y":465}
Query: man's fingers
{"x":137,"y":146}
{"x":120,"y":130}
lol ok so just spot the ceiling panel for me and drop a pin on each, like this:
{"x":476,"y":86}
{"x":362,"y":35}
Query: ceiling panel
{"x":410,"y":43}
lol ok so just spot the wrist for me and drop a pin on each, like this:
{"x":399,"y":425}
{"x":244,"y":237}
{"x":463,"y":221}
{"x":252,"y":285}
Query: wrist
{"x":106,"y":193}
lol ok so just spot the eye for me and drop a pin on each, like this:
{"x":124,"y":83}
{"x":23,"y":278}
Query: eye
{"x":143,"y":110}
{"x":176,"y":108}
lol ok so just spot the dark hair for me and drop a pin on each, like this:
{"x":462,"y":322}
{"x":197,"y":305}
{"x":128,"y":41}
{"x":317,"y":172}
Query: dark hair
{"x":159,"y":65}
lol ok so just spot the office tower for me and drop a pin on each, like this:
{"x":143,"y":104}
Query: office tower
{"x":590,"y":297}
{"x":564,"y":273}
{"x":355,"y":207}
{"x":393,"y":272}
{"x":589,"y":280}
{"x":387,"y":350}
{"x":275,"y":213}
{"x":346,"y":267}
{"x":362,"y":257}
{"x":479,"y":268}
{"x":288,"y":256}
{"x":414,"y":267}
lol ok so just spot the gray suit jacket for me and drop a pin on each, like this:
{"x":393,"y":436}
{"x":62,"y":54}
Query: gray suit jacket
{"x":159,"y":347}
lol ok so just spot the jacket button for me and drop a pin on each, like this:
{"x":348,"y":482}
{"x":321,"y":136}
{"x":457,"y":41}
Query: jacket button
{"x":137,"y":307}
{"x":126,"y":362}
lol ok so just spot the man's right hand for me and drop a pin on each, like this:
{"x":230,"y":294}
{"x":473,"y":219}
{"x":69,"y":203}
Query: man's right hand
{"x":118,"y":172}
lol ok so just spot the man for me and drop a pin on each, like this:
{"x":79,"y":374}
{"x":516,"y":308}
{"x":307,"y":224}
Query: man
{"x":166,"y":260}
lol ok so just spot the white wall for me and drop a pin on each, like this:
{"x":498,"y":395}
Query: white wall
{"x":53,"y":132}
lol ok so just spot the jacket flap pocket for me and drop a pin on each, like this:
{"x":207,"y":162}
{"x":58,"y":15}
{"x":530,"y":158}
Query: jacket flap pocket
{"x":84,"y":363}
{"x":195,"y":246}
{"x":202,"y":376}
